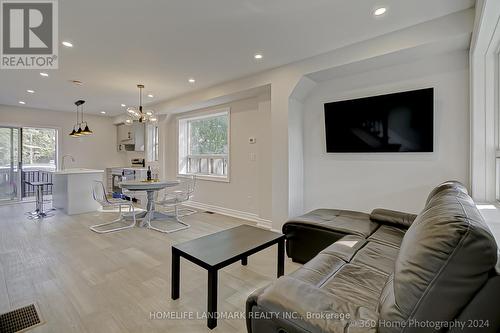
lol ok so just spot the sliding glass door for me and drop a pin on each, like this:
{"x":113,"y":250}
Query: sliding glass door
{"x":10,"y":164}
{"x":27,"y":154}
{"x":39,"y":156}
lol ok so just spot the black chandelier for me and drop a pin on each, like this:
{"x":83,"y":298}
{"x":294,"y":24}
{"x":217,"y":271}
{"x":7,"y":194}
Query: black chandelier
{"x":80,"y":132}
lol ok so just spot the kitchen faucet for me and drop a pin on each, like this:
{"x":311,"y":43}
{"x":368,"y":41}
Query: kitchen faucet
{"x":72,"y":160}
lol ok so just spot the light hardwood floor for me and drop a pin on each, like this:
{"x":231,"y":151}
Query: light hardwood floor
{"x":88,"y":282}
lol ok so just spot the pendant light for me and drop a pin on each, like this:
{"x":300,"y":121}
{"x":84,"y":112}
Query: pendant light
{"x":138,"y":113}
{"x":79,"y":124}
{"x":86,"y":130}
{"x":74,"y":132}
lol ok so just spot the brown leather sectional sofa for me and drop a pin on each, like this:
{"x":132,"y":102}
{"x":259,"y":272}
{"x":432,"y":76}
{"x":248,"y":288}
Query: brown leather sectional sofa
{"x":386,"y":272}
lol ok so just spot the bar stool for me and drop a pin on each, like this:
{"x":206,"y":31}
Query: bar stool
{"x":39,"y":213}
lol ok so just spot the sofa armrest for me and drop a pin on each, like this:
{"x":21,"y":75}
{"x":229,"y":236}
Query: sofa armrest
{"x":251,"y":302}
{"x":393,"y":217}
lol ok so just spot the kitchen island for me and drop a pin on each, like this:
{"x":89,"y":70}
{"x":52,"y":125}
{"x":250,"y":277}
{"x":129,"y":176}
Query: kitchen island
{"x":72,"y":190}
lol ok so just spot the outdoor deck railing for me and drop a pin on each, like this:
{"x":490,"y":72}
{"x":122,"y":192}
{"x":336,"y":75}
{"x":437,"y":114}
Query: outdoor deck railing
{"x":8,"y":179}
{"x":35,"y":176}
{"x":213,"y":165}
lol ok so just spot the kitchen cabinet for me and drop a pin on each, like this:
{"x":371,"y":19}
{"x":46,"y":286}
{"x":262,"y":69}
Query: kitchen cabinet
{"x":131,"y":137}
{"x":124,"y":133}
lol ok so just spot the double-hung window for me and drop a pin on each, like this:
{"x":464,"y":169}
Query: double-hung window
{"x":204,"y":145}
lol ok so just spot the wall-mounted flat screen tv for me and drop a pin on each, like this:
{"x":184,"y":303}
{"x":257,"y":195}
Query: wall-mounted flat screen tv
{"x":400,"y":122}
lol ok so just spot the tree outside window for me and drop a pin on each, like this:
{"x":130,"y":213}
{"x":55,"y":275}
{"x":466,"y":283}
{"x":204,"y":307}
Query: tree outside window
{"x":39,"y":147}
{"x":204,"y":145}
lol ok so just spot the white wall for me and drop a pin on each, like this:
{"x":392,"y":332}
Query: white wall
{"x":95,"y":151}
{"x":397,"y":181}
{"x":446,"y":33}
{"x":249,"y":189}
{"x":295,"y":158}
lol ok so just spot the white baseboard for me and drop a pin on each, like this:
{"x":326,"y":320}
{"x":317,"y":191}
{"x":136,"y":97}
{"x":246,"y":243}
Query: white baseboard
{"x":263,"y":223}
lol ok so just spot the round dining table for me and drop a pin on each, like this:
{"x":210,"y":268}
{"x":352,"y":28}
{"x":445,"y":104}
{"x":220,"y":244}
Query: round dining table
{"x":151,"y":214}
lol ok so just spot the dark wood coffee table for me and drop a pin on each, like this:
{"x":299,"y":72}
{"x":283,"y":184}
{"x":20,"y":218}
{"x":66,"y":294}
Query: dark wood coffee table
{"x":219,"y":250}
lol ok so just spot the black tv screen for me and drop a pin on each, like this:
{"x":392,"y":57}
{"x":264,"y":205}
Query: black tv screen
{"x":400,"y":122}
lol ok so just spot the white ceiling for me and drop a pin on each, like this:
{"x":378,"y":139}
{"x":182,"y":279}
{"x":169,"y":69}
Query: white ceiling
{"x":119,"y":43}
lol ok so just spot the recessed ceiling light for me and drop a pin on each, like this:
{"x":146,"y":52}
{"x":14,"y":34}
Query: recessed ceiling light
{"x":191,"y":80}
{"x":67,"y":44}
{"x":380,"y":11}
{"x":150,"y":95}
{"x":76,"y":82}
{"x":44,"y":74}
{"x":22,"y":102}
{"x":123,"y":105}
{"x":30,"y":91}
{"x":258,"y":56}
{"x":103,"y":112}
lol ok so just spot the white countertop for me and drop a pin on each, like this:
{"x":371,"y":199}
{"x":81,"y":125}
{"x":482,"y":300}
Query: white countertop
{"x":75,"y":171}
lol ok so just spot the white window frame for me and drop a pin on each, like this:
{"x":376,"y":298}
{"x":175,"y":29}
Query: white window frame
{"x":182,"y":144}
{"x":59,"y":130}
{"x":153,"y":143}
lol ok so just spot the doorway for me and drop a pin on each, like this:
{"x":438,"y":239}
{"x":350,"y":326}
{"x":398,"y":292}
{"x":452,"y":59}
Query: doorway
{"x":26,"y":154}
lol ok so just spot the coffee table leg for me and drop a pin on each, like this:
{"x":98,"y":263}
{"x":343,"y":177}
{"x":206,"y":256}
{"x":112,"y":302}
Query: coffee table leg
{"x":244,"y":261}
{"x":281,"y":257}
{"x":212,"y":299}
{"x":175,"y":274}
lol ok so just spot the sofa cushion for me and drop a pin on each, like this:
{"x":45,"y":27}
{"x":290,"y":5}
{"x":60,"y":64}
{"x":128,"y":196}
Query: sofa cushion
{"x":377,"y":256}
{"x":346,"y":247}
{"x":358,"y":284}
{"x":295,"y":304}
{"x":388,"y":235}
{"x":444,"y":259}
{"x":323,"y":266}
{"x":319,"y":269}
{"x":343,"y":221}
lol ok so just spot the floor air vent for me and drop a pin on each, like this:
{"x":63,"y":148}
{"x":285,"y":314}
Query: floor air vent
{"x":20,"y":319}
